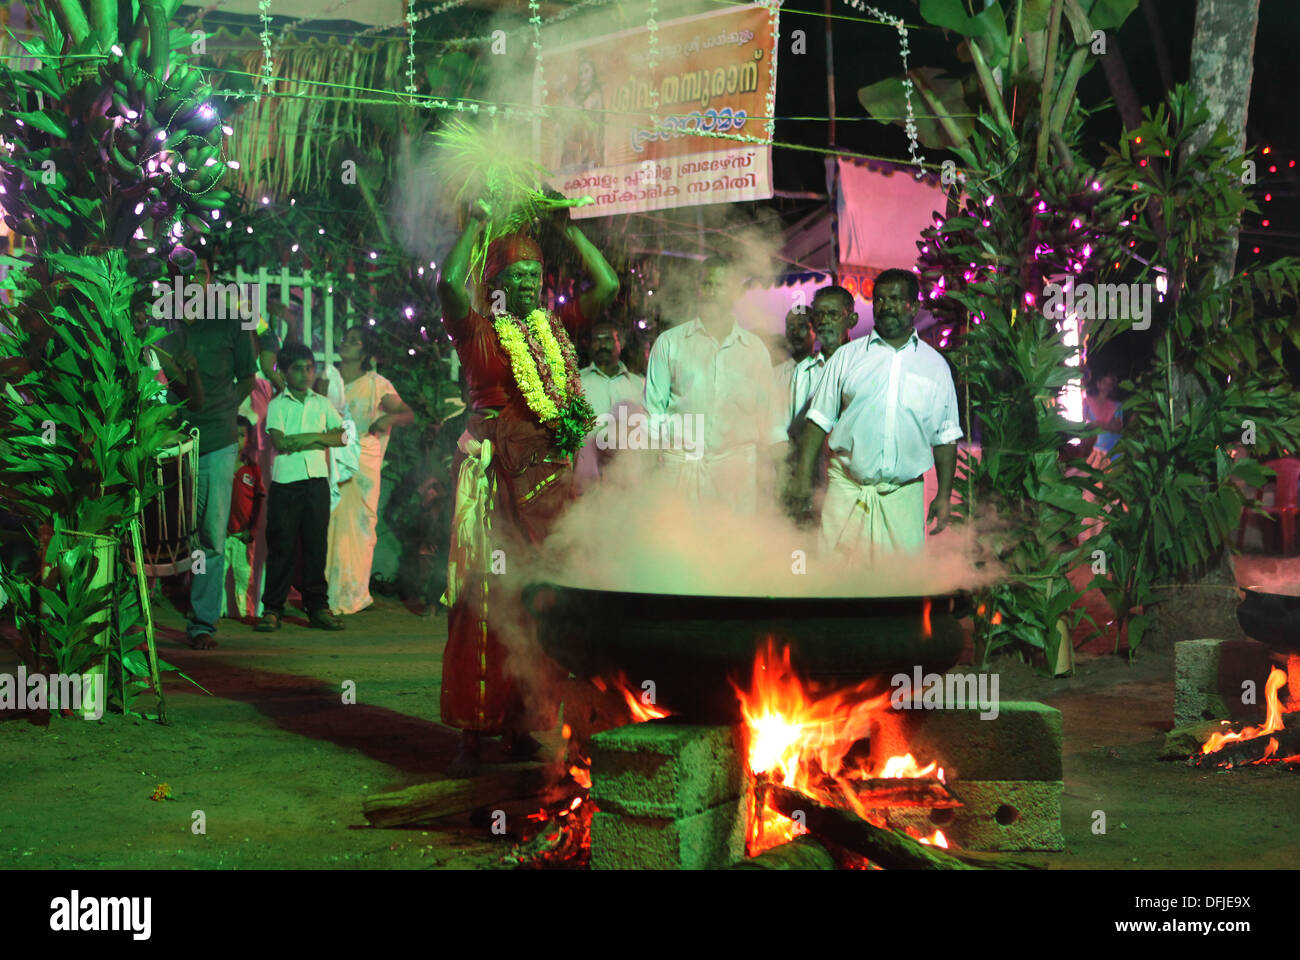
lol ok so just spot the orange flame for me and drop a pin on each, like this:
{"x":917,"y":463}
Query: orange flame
{"x":1272,"y":722}
{"x":801,"y":740}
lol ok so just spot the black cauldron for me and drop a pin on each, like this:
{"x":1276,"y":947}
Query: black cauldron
{"x":691,"y":646}
{"x":1271,"y":618}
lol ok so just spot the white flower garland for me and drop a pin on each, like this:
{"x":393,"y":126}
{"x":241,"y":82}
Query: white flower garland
{"x":652,"y":61}
{"x":431,"y":12}
{"x":535,"y":18}
{"x":910,"y":125}
{"x":410,"y":47}
{"x":268,"y":66}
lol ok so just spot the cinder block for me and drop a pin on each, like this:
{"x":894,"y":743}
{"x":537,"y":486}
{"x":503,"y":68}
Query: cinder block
{"x":1023,"y":742}
{"x":665,"y":770}
{"x":711,"y":840}
{"x":1208,"y":679}
{"x":997,"y":815}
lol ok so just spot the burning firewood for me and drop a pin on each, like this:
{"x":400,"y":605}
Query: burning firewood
{"x":1284,"y":743}
{"x":445,"y":798}
{"x":885,"y":848}
{"x":802,"y":853}
{"x":920,"y":792}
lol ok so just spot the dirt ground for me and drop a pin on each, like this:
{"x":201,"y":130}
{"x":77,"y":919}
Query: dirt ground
{"x":279,"y":765}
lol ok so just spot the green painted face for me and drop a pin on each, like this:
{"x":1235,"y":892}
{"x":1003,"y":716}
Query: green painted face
{"x":522,"y":284}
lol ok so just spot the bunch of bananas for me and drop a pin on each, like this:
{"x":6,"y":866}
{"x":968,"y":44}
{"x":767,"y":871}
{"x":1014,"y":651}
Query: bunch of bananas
{"x":161,"y":141}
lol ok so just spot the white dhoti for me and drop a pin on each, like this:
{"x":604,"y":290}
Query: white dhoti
{"x":727,"y":477}
{"x":872,"y":518}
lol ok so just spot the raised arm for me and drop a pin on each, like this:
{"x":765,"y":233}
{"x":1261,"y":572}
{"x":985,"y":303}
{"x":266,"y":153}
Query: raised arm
{"x":455,"y":270}
{"x":604,"y":279}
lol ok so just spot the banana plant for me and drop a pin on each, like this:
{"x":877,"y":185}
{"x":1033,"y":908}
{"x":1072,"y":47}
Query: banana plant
{"x":1004,"y":83}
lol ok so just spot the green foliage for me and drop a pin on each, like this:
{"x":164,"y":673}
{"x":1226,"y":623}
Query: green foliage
{"x":1174,"y":494}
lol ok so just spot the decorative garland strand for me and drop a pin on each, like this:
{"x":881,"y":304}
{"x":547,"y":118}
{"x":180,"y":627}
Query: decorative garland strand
{"x":910,"y":125}
{"x":652,"y":61}
{"x":431,"y":12}
{"x":268,"y":67}
{"x":410,"y":48}
{"x":535,"y":18}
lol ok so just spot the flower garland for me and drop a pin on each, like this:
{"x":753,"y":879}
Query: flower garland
{"x":410,"y":48}
{"x":535,"y":18}
{"x":268,"y":67}
{"x":545,"y":368}
{"x":910,"y":125}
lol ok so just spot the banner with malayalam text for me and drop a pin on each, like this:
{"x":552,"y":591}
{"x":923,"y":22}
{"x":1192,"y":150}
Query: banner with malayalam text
{"x":629,"y":134}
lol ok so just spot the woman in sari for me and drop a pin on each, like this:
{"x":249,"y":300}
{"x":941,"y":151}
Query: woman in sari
{"x":375,"y":408}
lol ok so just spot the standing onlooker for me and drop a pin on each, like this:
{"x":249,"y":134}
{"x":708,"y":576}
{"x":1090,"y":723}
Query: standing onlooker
{"x":608,"y":385}
{"x":889,"y":406}
{"x":1102,"y":409}
{"x":245,"y":510}
{"x":375,"y":408}
{"x":302,"y":425}
{"x":226,"y":366}
{"x":794,"y":348}
{"x":712,"y":370}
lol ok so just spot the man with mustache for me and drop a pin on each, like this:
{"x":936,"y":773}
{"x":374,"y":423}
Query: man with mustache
{"x":608,"y":384}
{"x":888,"y":404}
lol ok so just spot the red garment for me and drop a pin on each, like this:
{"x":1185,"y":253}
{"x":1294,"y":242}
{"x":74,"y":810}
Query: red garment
{"x":246,"y":498}
{"x":490,"y":641}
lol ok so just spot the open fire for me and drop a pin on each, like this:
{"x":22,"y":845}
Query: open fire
{"x":808,"y":742}
{"x":1272,"y":742}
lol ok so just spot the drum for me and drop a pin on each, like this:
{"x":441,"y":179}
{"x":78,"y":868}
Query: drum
{"x":170,"y":519}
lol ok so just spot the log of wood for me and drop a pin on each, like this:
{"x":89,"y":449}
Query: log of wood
{"x":802,"y":853}
{"x":1247,"y":751}
{"x":445,"y":798}
{"x":885,"y":848}
{"x":906,"y":792}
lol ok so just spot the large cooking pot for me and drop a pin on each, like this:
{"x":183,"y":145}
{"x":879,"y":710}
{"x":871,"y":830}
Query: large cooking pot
{"x":1271,"y":618}
{"x":689,"y":646}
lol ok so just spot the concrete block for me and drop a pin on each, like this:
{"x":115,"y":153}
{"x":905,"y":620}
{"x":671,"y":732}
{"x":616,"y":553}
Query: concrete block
{"x":997,"y":816}
{"x":665,"y":770}
{"x":711,"y":840}
{"x":1208,"y":679}
{"x":1023,"y":742}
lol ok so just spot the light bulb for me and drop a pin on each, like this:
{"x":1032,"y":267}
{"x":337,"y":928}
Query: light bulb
{"x":117,"y":51}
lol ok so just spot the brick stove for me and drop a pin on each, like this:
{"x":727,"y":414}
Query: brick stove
{"x":674,"y":795}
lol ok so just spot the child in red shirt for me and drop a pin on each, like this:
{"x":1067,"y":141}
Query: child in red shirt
{"x":245,"y":505}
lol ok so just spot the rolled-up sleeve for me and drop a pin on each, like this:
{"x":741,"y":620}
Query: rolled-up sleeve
{"x":824,"y":410}
{"x":947,"y":426}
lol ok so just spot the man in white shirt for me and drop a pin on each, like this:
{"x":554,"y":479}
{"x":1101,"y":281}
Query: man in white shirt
{"x":715,"y":413}
{"x":613,"y":391}
{"x":832,"y":318}
{"x":888,"y":404}
{"x":798,"y":346}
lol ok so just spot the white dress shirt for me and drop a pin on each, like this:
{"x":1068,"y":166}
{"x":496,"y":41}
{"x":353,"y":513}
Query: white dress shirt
{"x":730,"y":383}
{"x":312,"y":414}
{"x":885,"y":409}
{"x":604,"y":392}
{"x":804,"y":379}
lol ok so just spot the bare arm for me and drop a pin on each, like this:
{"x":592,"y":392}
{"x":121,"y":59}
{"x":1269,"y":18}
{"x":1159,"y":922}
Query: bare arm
{"x":396,"y":414}
{"x":296,"y":442}
{"x":455,"y":270}
{"x":604,"y":279}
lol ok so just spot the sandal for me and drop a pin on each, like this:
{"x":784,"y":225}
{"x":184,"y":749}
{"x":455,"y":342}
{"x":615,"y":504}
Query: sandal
{"x":268,"y":624}
{"x":202,"y":641}
{"x":324,"y":620}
